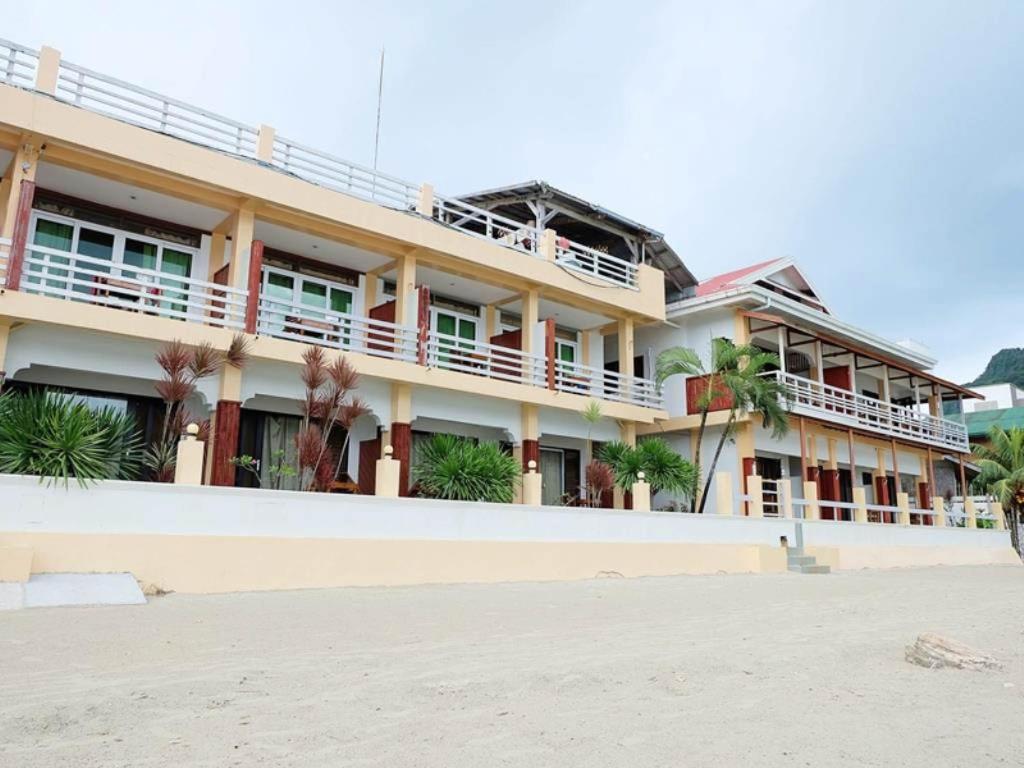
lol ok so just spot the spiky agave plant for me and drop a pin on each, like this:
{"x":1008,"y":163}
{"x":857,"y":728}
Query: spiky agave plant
{"x":59,"y":438}
{"x":459,"y":469}
{"x":663,"y":468}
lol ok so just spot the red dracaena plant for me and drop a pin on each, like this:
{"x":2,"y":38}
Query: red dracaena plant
{"x":183,"y":366}
{"x":328,"y":403}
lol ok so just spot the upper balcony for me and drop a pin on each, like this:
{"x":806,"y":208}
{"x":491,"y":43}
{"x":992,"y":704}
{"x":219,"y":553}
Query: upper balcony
{"x":45,"y":72}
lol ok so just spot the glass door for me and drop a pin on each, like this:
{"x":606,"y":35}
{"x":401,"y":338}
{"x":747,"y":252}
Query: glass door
{"x":552,"y":476}
{"x":452,"y":326}
{"x":306,"y":306}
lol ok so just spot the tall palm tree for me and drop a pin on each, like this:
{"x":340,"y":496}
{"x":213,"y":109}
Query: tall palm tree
{"x":1002,"y":473}
{"x":734,"y":373}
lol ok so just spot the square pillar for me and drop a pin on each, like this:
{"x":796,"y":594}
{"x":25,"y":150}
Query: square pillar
{"x":387,"y":476}
{"x":970,"y":513}
{"x":755,"y":490}
{"x":242,"y":225}
{"x":811,"y":509}
{"x":723,"y":493}
{"x":405,"y":286}
{"x":903,"y":502}
{"x":996,"y":510}
{"x":939,"y":506}
{"x":860,"y":499}
{"x":641,"y":493}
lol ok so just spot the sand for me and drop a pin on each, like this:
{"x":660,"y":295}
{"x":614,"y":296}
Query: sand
{"x":780,"y":670}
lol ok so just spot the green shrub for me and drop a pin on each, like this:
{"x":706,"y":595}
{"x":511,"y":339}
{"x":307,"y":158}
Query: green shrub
{"x":53,"y":436}
{"x":663,"y":468}
{"x":458,"y":469}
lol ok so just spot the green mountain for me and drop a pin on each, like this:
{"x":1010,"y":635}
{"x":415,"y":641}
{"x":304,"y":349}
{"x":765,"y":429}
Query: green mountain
{"x":1006,"y":365}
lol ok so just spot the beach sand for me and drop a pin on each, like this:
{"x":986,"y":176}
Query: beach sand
{"x":771,"y":670}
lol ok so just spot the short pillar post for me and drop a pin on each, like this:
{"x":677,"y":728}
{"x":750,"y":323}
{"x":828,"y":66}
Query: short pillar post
{"x":860,"y":499}
{"x":903,"y":502}
{"x":785,"y":499}
{"x":388,"y":472}
{"x":811,"y":510}
{"x":188,"y":465}
{"x":641,"y":494}
{"x":547,"y":244}
{"x":48,"y":70}
{"x":939,"y":505}
{"x":995,"y":509}
{"x":723,"y":493}
{"x":970,"y":513}
{"x":532,"y":485}
{"x":265,"y":143}
{"x":755,"y":490}
{"x":425,"y":204}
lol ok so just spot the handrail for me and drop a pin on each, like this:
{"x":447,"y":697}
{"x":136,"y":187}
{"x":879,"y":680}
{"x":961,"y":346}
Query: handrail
{"x":606,"y":385}
{"x":341,"y":175}
{"x":603,"y":266}
{"x":482,"y":359}
{"x":287,"y":319}
{"x":844,"y":406}
{"x":17,"y":64}
{"x":62,"y":274}
{"x":485,"y":224}
{"x":148,"y":109}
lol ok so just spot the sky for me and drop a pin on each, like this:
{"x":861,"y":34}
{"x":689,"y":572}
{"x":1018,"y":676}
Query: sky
{"x":880,"y":145}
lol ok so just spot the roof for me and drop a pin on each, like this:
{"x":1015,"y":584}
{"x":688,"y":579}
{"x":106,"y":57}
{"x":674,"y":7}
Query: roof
{"x":980,"y":422}
{"x":728,"y":280}
{"x":659,"y":253}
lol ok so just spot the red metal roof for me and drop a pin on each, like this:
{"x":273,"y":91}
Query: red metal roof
{"x":725,"y":281}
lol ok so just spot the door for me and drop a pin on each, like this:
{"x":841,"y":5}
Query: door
{"x":552,"y":469}
{"x":305,"y":306}
{"x":457,"y":334}
{"x":770,"y":471}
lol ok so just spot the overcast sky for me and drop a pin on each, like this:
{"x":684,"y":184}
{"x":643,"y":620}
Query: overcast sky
{"x":879,"y":144}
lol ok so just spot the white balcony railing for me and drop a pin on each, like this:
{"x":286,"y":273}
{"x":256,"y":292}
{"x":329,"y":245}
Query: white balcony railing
{"x":17,"y":64}
{"x":481,"y":359}
{"x":602,"y":266}
{"x":5,"y":249}
{"x":71,"y":276}
{"x":129,"y":103}
{"x":286,"y":319}
{"x":485,"y":224}
{"x":343,"y":176}
{"x":606,"y":385}
{"x":132,"y":104}
{"x":812,"y":398}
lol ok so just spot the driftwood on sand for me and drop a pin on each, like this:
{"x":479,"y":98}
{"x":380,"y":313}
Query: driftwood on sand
{"x":934,"y":651}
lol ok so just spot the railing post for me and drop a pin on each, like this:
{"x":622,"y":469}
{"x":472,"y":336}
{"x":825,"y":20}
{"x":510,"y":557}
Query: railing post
{"x":860,"y":499}
{"x":387,"y":475}
{"x":48,"y":70}
{"x":265,"y":143}
{"x":939,"y":505}
{"x":547,"y":244}
{"x":723,"y":493}
{"x":970,"y":513}
{"x":425,"y":204}
{"x":995,"y":509}
{"x":785,"y":491}
{"x":903,"y":502}
{"x":811,"y":511}
{"x":252,"y":301}
{"x":755,"y":489}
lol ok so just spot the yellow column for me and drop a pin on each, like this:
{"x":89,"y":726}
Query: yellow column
{"x":405,"y":284}
{"x":860,"y":498}
{"x":530,"y":318}
{"x":723,"y":493}
{"x":741,"y":329}
{"x":995,"y":509}
{"x":833,"y":464}
{"x":811,"y":509}
{"x":241,"y":244}
{"x":21,"y":168}
{"x":218,"y":250}
{"x":47,"y":70}
{"x":970,"y":512}
{"x":626,"y":346}
{"x":386,"y":481}
{"x":627,"y":432}
{"x":903,"y":502}
{"x":755,"y":491}
{"x":491,"y":321}
{"x":939,"y":505}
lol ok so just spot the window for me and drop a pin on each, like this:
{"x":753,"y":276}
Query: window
{"x":301,"y":304}
{"x":451,"y":326}
{"x":104,"y":252}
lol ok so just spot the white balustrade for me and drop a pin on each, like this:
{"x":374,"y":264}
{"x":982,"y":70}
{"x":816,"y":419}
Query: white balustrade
{"x":132,"y":104}
{"x":17,"y":64}
{"x":342,"y":176}
{"x":486,"y":224}
{"x":589,"y":261}
{"x":71,"y":276}
{"x":606,"y":385}
{"x":855,"y":410}
{"x":482,"y":359}
{"x":5,"y":248}
{"x":286,"y":319}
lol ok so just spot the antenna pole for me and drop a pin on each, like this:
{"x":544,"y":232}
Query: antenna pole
{"x":380,"y":98}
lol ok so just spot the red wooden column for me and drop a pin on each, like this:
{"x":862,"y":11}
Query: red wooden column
{"x":549,"y":350}
{"x":19,"y":237}
{"x":255,"y":279}
{"x":830,"y":492}
{"x":401,"y":450}
{"x":749,"y":468}
{"x":531,"y":452}
{"x":924,"y":501}
{"x":882,"y":496}
{"x":225,"y":442}
{"x":422,"y":326}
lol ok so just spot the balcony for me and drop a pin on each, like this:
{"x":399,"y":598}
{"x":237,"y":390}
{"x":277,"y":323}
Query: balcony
{"x":84,"y":88}
{"x":849,"y":409}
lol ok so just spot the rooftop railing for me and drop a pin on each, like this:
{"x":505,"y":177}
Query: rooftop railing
{"x":851,"y":409}
{"x":129,"y":103}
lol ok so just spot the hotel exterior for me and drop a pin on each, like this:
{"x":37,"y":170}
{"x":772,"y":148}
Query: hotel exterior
{"x":131,"y":219}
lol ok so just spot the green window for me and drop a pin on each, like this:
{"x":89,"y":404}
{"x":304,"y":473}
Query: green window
{"x":50,"y":234}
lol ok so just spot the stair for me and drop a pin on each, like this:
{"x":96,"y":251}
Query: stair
{"x":801,"y":563}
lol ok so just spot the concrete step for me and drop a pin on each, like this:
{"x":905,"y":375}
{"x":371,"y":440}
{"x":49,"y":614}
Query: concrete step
{"x":813,"y":568}
{"x":801,"y":560}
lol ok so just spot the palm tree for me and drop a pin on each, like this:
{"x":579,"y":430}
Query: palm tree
{"x":1002,"y":473}
{"x":735,"y":375}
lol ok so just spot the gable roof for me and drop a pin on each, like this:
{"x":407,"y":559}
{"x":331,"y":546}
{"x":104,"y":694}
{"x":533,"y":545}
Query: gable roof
{"x":781,"y":275}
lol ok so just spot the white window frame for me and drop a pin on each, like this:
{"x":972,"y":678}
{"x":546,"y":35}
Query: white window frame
{"x":298,"y":278}
{"x":475,"y":319}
